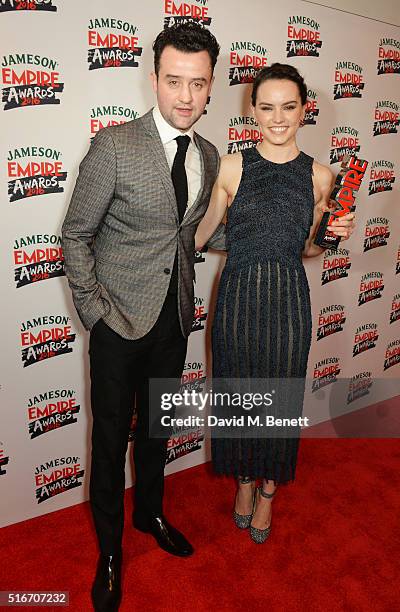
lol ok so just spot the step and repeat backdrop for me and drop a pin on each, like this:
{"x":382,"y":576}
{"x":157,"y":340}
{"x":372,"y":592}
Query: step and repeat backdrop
{"x":70,"y":68}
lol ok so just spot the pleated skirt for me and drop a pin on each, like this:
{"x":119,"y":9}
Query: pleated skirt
{"x":261,"y":329}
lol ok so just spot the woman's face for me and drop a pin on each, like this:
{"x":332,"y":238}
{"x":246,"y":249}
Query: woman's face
{"x":279,"y":110}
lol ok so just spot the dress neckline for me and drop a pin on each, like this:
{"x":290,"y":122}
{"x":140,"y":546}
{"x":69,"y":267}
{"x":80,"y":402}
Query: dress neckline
{"x":277,"y":163}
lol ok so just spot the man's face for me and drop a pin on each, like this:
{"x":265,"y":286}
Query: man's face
{"x":183,"y":86}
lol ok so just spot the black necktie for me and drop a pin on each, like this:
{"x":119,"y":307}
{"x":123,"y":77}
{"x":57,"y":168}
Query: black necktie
{"x":178,"y":174}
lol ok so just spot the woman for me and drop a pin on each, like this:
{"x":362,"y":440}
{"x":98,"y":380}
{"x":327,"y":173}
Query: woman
{"x":274,"y":196}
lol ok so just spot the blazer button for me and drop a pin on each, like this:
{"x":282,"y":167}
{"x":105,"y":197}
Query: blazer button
{"x":167,"y":270}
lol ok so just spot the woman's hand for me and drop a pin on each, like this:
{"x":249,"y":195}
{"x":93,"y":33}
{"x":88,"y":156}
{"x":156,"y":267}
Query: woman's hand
{"x":342,"y":226}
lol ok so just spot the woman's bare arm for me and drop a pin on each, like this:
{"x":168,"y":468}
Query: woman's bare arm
{"x":221,"y":197}
{"x":323,"y":183}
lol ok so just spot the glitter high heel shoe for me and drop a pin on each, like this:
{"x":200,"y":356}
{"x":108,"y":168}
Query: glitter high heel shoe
{"x":242,"y":521}
{"x":259,"y":536}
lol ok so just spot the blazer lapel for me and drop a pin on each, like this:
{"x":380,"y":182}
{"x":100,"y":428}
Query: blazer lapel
{"x":160,"y":161}
{"x":206,"y":172}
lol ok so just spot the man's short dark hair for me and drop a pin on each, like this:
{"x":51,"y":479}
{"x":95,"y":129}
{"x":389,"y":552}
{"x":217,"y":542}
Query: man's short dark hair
{"x":279,"y":72}
{"x":188,"y":37}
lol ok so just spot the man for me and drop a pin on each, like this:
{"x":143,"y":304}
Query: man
{"x":128,"y":241}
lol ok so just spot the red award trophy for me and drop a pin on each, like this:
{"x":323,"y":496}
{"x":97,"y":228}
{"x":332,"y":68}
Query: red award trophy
{"x":347,"y":183}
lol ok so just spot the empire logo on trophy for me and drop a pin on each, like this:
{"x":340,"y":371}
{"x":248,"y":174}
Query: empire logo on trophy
{"x":347,"y":183}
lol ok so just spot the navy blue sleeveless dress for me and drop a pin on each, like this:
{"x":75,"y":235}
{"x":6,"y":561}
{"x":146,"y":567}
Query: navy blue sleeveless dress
{"x":262,"y":321}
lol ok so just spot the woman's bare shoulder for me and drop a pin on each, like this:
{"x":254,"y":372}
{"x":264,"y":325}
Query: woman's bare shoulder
{"x":231,"y":167}
{"x":323,"y":175}
{"x":232,"y":160}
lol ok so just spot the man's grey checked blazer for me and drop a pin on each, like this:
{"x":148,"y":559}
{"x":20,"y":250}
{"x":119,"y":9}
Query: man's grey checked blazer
{"x":121,"y":230}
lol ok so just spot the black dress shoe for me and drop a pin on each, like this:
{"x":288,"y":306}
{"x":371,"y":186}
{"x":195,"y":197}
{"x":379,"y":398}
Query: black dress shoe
{"x":167,"y":537}
{"x":106,"y":589}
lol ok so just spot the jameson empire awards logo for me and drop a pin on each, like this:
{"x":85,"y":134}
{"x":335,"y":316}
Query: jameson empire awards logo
{"x":395,"y":308}
{"x":389,"y":56}
{"x":392,"y":354}
{"x":325,"y":372}
{"x":193,"y":377}
{"x":104,"y":116}
{"x":243,"y":133}
{"x":304,"y":37}
{"x":57,"y":476}
{"x":348,"y":81}
{"x":335,"y":265}
{"x":34,"y":171}
{"x":27,"y":5}
{"x":184,"y":441}
{"x":245,"y":59}
{"x":386,"y":118}
{"x":29,"y":80}
{"x":371,"y":287}
{"x":381,"y":176}
{"x":365,"y":338}
{"x":183,"y":12}
{"x":4,"y":459}
{"x":330,"y":320}
{"x":51,"y":410}
{"x":200,"y":314}
{"x":398,"y":261}
{"x":312,"y":110}
{"x":359,"y":386}
{"x":51,"y":337}
{"x":37,"y":258}
{"x":376,"y":233}
{"x":113,"y":43}
{"x":344,"y":141}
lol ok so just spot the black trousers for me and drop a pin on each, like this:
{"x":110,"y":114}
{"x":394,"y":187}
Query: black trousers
{"x":120,"y":370}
